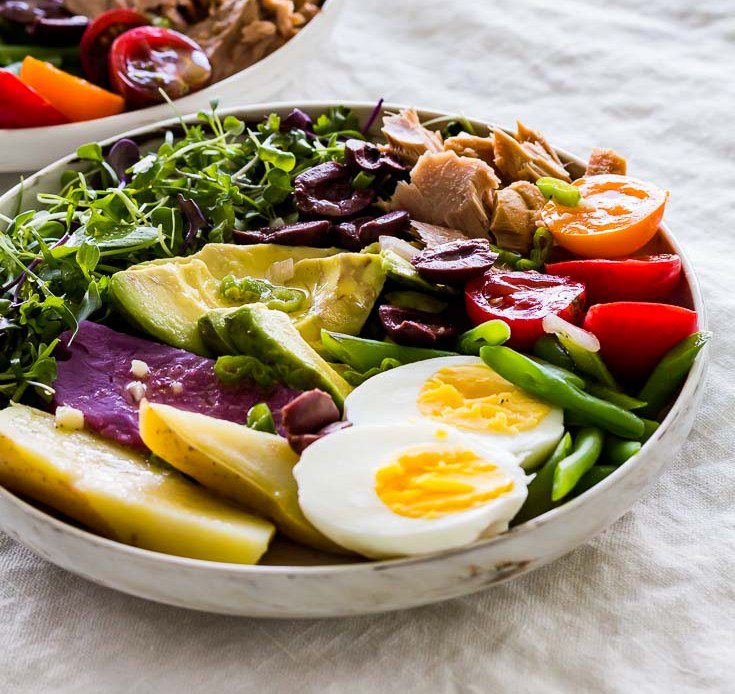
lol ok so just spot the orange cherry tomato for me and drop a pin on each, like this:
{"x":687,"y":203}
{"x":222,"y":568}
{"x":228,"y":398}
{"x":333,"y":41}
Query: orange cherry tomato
{"x":76,"y":98}
{"x":617,"y":216}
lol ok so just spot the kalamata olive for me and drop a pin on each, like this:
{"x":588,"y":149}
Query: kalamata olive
{"x":326,"y":190}
{"x":122,"y":155}
{"x":297,"y":120}
{"x":59,"y":31}
{"x":195,"y":219}
{"x":455,"y":262}
{"x":18,"y":11}
{"x":348,"y":233}
{"x":300,"y":442}
{"x":415,"y":328}
{"x":394,"y":223}
{"x":308,"y":413}
{"x":367,"y":157}
{"x":316,"y":233}
{"x":355,"y":234}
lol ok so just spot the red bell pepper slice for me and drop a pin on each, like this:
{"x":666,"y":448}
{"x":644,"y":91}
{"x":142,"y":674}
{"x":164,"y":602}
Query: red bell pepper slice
{"x":643,"y":278}
{"x":634,"y":336}
{"x":23,"y":107}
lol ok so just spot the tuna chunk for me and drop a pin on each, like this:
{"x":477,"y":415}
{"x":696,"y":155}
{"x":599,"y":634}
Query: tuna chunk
{"x":474,"y":146}
{"x":433,"y":235}
{"x":526,"y":157}
{"x":514,"y":218}
{"x":407,"y":138}
{"x":605,"y":161}
{"x":96,"y":375}
{"x":449,"y":191}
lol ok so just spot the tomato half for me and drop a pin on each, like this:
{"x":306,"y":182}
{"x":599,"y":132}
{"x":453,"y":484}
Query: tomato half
{"x":22,"y":106}
{"x":617,"y":216}
{"x":522,"y":299}
{"x":147,"y":59}
{"x":634,"y":336}
{"x":94,"y":50}
{"x":644,"y":278}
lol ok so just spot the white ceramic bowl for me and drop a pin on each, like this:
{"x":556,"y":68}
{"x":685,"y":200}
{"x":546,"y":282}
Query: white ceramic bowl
{"x":297,"y":583}
{"x":28,"y":149}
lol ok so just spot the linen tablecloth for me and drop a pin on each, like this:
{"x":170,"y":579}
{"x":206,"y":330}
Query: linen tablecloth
{"x":649,"y":606}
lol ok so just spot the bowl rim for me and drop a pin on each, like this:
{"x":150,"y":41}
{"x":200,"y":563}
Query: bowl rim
{"x":328,"y":6}
{"x":523,"y":529}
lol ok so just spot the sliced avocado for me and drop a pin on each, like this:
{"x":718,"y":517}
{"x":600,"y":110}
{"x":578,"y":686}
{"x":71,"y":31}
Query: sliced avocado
{"x":214,"y":332}
{"x":166,"y":297}
{"x":342,"y":290}
{"x":269,"y":336}
{"x":166,"y":300}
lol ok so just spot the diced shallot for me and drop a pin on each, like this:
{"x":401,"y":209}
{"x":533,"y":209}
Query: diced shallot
{"x":282,"y":271}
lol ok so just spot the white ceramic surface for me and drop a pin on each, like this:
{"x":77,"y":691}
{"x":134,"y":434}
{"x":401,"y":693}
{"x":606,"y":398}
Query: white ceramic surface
{"x":286,"y":587}
{"x":28,"y":149}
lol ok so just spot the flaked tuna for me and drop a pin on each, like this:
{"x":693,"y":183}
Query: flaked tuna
{"x":606,"y":161}
{"x":526,"y":157}
{"x":466,"y":145}
{"x":449,"y":191}
{"x":407,"y":138}
{"x":514,"y":217}
{"x":96,"y":375}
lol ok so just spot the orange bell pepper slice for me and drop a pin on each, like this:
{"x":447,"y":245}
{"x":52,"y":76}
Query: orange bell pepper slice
{"x":76,"y":98}
{"x":617,"y":216}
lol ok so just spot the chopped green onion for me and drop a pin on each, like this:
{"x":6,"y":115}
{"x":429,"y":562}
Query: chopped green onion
{"x":562,"y":192}
{"x":260,"y":418}
{"x":362,"y":180}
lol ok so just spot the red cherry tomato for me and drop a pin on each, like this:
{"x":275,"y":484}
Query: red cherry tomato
{"x":634,"y":336}
{"x":522,"y":299}
{"x":644,"y":278}
{"x":94,"y":50}
{"x":147,"y":59}
{"x":23,"y":107}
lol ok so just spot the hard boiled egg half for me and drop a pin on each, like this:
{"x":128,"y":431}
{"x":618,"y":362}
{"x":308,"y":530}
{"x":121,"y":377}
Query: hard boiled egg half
{"x":405,"y":489}
{"x":465,"y":394}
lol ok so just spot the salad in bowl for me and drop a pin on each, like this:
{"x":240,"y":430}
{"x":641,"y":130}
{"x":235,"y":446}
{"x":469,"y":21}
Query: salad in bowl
{"x":376,"y":335}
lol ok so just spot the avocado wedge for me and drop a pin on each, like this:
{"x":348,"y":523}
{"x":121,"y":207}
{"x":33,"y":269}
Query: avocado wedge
{"x":254,"y":330}
{"x":166,"y":297}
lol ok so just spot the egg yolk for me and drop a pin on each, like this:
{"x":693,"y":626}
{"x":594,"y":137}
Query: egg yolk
{"x":429,"y":482}
{"x":475,"y":398}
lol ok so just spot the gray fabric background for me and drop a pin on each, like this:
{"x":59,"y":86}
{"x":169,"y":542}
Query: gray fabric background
{"x":647,"y":607}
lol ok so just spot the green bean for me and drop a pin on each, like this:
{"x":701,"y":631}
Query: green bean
{"x":587,"y":362}
{"x":617,"y":397}
{"x":508,"y":258}
{"x":537,"y":380}
{"x":592,"y":477}
{"x":585,"y":452}
{"x":416,"y":300}
{"x":492,"y":332}
{"x":649,"y":428}
{"x":568,"y":376}
{"x":549,"y":349}
{"x":563,"y":193}
{"x":671,"y":372}
{"x":617,"y":451}
{"x":260,"y":418}
{"x":362,"y":354}
{"x":539,"y":500}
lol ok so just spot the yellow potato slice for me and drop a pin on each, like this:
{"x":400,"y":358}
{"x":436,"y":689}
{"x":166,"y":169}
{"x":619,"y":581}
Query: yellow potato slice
{"x":251,"y":467}
{"x":119,"y":494}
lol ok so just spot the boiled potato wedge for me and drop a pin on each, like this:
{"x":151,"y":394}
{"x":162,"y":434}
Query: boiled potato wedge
{"x":250,"y":467}
{"x":119,"y":494}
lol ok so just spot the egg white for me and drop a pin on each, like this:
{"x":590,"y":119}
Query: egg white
{"x":391,"y":397}
{"x":336,"y":481}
